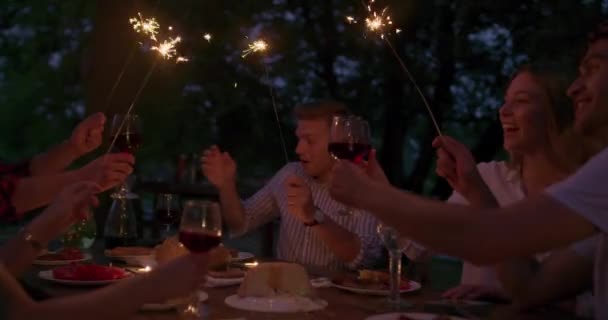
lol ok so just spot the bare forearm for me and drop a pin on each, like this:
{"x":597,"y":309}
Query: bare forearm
{"x":232,"y":208}
{"x":114,"y":302}
{"x":563,"y":275}
{"x":35,"y":192}
{"x":481,"y":197}
{"x":516,"y":274}
{"x":55,"y":160}
{"x":343,"y":243}
{"x":457,"y":230}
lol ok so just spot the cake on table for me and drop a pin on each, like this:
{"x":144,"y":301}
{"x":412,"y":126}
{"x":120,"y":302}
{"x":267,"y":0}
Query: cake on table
{"x":274,"y":279}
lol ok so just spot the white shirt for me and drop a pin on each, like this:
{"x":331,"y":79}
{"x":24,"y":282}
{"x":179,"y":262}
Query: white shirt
{"x":586,"y":193}
{"x":299,"y":243}
{"x":506,"y":186}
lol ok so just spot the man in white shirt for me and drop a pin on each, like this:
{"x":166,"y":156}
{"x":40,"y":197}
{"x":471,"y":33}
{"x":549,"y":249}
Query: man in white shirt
{"x":570,"y":211}
{"x":312,"y":229}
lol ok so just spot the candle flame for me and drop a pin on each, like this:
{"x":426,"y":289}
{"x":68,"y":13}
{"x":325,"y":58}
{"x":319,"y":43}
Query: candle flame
{"x":207,"y":37}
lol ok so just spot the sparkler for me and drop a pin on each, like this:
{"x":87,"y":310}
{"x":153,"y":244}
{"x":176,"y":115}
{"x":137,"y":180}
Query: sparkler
{"x":261,"y":46}
{"x":256,"y":46}
{"x":207,"y":37}
{"x":380,"y":22}
{"x":148,"y":27}
{"x":167,"y":51}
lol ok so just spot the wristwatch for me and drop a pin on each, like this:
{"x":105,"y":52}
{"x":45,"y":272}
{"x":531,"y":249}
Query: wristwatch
{"x":318,"y":219}
{"x":30,"y":239}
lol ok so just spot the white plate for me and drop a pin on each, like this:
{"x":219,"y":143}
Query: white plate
{"x":85,"y":257}
{"x":411,"y":315}
{"x":222,"y":282}
{"x":413,"y":287}
{"x":279,"y":304}
{"x":202,"y":297}
{"x":243,"y":256}
{"x":48,"y":275}
{"x":465,"y":303}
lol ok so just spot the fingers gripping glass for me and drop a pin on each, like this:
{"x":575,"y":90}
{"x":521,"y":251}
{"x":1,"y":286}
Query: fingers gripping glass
{"x":349,"y":139}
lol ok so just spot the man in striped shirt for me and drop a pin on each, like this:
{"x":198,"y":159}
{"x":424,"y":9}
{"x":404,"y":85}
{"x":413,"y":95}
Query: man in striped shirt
{"x":312,"y":229}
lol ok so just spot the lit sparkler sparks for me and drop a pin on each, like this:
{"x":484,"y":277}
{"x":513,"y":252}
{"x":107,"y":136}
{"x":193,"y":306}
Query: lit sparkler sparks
{"x":378,"y":22}
{"x":148,"y":27}
{"x":381,"y":23}
{"x":167,"y":49}
{"x":207,"y":37}
{"x":256,"y":46}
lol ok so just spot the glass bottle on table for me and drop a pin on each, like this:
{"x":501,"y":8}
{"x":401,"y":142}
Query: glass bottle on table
{"x":167,"y":212}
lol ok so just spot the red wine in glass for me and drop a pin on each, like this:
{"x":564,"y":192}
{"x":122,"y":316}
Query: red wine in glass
{"x":199,"y":241}
{"x":355,"y":152}
{"x":127,"y":142}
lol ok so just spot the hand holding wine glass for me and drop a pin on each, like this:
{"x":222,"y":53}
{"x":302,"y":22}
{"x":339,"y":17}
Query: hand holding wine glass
{"x":349,"y":139}
{"x":126,"y":133}
{"x":200,"y":231}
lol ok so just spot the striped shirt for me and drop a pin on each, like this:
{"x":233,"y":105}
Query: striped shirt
{"x":298,"y":243}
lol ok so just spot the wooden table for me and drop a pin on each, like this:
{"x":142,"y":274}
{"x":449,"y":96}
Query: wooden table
{"x":341,"y":305}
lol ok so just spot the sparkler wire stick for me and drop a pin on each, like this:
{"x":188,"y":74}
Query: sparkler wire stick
{"x":139,"y":91}
{"x":276,"y":114}
{"x":409,"y":75}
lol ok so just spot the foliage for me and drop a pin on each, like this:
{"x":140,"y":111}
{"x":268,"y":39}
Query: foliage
{"x":461,"y":52}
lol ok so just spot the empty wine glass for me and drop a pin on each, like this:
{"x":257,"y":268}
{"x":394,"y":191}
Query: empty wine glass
{"x":395,"y":245}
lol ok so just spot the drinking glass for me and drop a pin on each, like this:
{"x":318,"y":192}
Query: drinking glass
{"x":125,"y":135}
{"x":200,"y":230}
{"x":395,"y":245}
{"x":167,"y":210}
{"x":349,"y":139}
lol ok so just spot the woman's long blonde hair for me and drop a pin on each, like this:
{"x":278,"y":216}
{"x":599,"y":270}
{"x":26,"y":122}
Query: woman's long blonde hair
{"x":559,"y":116}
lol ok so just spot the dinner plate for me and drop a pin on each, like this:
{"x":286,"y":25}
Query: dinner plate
{"x":48,"y":275}
{"x":243,"y":256}
{"x":278,"y":304}
{"x":463,"y":303}
{"x":202,"y":297}
{"x":213,"y":282}
{"x":410,"y":315}
{"x":85,"y":257}
{"x":413,"y":286}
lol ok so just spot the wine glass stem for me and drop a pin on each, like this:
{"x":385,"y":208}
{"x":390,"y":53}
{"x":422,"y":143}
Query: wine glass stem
{"x":395,"y":276}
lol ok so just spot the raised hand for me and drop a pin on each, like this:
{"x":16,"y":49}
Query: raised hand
{"x":348,"y":182}
{"x":71,"y":205}
{"x":88,"y":135}
{"x":218,"y":167}
{"x":108,"y":170}
{"x":299,"y":199}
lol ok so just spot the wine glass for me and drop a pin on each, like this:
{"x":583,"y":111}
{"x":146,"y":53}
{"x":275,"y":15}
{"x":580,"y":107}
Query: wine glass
{"x":125,"y":135}
{"x":167,"y":210}
{"x":395,"y":245}
{"x":200,"y":230}
{"x":349,"y":139}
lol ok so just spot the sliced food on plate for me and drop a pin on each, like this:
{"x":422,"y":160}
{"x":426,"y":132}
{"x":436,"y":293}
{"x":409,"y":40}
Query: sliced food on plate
{"x":371,"y":282}
{"x":63,"y":256}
